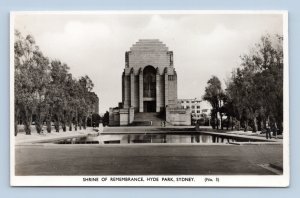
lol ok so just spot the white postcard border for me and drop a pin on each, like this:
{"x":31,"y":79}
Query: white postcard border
{"x":199,"y":181}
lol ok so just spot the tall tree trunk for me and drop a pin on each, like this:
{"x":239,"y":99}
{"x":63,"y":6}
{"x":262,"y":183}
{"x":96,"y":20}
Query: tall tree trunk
{"x":48,"y":122}
{"x":75,"y":123}
{"x":38,"y":124}
{"x":56,"y":124}
{"x":246,"y":126}
{"x":221,"y":120}
{"x":228,"y":122}
{"x":239,"y":124}
{"x":70,"y":126}
{"x":254,"y":124}
{"x":80,"y":123}
{"x":76,"y":120}
{"x":217,"y":120}
{"x":84,"y":122}
{"x":16,"y":120}
{"x":28,"y":120}
{"x":63,"y":122}
{"x":70,"y":122}
{"x":261,"y":123}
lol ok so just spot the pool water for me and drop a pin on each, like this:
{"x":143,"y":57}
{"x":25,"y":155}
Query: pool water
{"x":152,"y":138}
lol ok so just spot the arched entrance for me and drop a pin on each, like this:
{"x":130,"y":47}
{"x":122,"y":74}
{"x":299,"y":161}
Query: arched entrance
{"x":149,"y":92}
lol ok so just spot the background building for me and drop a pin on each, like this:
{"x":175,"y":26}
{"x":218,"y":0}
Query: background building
{"x":199,"y":109}
{"x":193,"y":105}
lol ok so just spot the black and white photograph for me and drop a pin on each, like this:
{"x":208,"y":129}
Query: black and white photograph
{"x":149,"y":98}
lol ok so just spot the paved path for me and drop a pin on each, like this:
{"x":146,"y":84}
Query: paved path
{"x":51,"y":159}
{"x":22,"y":138}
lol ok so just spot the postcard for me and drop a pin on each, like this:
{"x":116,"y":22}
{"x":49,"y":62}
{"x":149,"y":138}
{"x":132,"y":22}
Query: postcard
{"x":149,"y":98}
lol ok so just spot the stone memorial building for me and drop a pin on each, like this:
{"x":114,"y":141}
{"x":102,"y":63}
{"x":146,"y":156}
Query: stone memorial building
{"x":149,"y":88}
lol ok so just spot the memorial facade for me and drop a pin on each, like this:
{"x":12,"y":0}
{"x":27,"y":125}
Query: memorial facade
{"x":149,"y":87}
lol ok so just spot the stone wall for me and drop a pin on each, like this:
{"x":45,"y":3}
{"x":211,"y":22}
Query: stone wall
{"x":114,"y":117}
{"x":178,"y":117}
{"x":121,"y":117}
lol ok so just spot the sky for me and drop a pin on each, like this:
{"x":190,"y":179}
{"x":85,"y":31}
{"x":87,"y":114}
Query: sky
{"x":94,"y":44}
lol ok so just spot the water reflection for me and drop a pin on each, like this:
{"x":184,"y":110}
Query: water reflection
{"x":150,"y":138}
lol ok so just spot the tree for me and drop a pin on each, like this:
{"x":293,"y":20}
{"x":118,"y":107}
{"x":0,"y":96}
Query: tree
{"x":45,"y":91}
{"x":87,"y":100}
{"x":94,"y":120}
{"x":256,"y":88}
{"x":214,"y":95}
{"x":59,"y":74}
{"x":105,"y":119}
{"x":30,"y":66}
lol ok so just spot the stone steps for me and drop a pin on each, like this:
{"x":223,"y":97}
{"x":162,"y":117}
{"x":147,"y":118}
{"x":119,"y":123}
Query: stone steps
{"x":148,"y":129}
{"x":147,"y":119}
